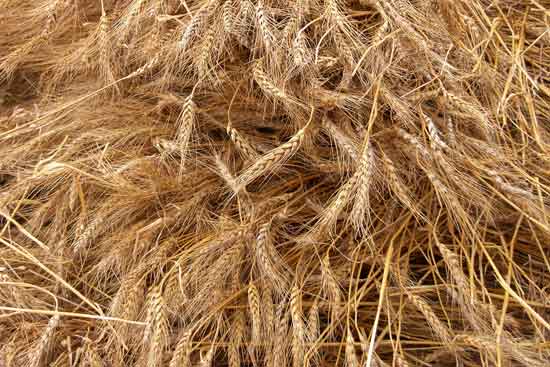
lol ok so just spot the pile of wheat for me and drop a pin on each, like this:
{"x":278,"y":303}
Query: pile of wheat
{"x":274,"y":183}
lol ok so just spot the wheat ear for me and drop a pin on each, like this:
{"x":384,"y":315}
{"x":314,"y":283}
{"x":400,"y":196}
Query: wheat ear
{"x":39,"y":355}
{"x":275,"y":157}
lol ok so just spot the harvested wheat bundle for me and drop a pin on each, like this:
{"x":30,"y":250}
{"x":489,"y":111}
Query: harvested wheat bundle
{"x":274,"y":183}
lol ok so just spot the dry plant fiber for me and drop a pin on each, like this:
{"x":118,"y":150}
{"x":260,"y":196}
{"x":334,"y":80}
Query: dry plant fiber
{"x":274,"y":183}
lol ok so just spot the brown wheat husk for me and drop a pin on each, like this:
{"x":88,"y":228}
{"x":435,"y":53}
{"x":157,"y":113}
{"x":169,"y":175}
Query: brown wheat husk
{"x":274,"y":183}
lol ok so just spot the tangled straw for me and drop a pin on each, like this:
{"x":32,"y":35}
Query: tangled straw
{"x":274,"y":183}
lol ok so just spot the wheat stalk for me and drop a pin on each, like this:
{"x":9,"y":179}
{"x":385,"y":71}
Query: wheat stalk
{"x":351,"y":356}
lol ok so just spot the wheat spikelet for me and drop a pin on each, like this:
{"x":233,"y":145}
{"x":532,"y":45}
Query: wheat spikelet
{"x":397,"y":186}
{"x":478,"y":342}
{"x":268,"y":312}
{"x":267,"y":258}
{"x":74,"y":193}
{"x":435,"y":137}
{"x":508,"y":188}
{"x":254,"y":308}
{"x":198,"y":21}
{"x":451,"y":131}
{"x":381,"y":32}
{"x":89,"y":233}
{"x":126,"y":302}
{"x":341,"y":34}
{"x":146,"y":67}
{"x":341,"y":139}
{"x":237,"y":336}
{"x":331,"y":287}
{"x":279,"y":355}
{"x":300,"y":52}
{"x":313,"y":322}
{"x":443,"y":192}
{"x":241,"y":143}
{"x":50,"y":11}
{"x":453,"y":264}
{"x":413,"y":142}
{"x":226,"y":175}
{"x":156,"y":332}
{"x":440,"y":329}
{"x":360,"y":209}
{"x":38,"y":356}
{"x":228,"y":17}
{"x":275,"y":157}
{"x":185,"y":125}
{"x":246,"y":12}
{"x":264,"y":24}
{"x":182,"y":352}
{"x":9,"y":63}
{"x":291,"y":27}
{"x":401,"y":362}
{"x":268,"y":87}
{"x":471,"y":109}
{"x":91,"y":355}
{"x":104,"y":45}
{"x":205,"y":52}
{"x":334,"y":12}
{"x":166,"y":147}
{"x":330,"y":215}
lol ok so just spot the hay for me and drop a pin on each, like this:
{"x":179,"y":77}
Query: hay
{"x":274,"y":183}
